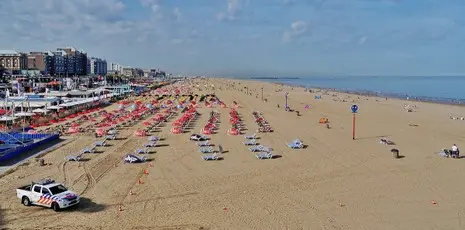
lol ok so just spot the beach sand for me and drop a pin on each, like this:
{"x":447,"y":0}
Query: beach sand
{"x":334,"y":183}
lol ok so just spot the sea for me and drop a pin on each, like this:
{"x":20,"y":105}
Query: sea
{"x":449,"y":89}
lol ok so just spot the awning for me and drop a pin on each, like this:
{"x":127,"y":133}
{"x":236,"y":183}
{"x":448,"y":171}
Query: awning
{"x":40,"y":110}
{"x":23,"y":114}
{"x":53,"y":107}
{"x":8,"y":118}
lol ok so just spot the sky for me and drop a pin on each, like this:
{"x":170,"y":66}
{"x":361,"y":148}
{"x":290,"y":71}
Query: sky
{"x":293,"y":38}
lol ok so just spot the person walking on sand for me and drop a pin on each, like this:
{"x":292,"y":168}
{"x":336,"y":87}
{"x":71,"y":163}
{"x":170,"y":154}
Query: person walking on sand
{"x":455,"y":151}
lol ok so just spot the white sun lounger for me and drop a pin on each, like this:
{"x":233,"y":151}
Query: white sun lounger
{"x":262,"y":156}
{"x":211,"y":157}
{"x":142,"y":151}
{"x":74,"y":157}
{"x":203,"y":144}
{"x":254,"y":136}
{"x":250,"y":142}
{"x":88,"y":150}
{"x":100,"y":143}
{"x":150,"y":144}
{"x":208,"y":149}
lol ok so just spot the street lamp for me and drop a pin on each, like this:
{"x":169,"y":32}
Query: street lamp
{"x":262,"y":93}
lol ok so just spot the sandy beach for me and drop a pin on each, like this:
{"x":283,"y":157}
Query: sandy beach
{"x":333,"y":183}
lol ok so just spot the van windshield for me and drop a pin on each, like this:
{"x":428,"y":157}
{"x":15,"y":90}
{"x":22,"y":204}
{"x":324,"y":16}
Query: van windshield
{"x":57,"y":189}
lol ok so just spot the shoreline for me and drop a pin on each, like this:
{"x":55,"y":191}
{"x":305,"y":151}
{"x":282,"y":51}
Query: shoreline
{"x":364,"y":93}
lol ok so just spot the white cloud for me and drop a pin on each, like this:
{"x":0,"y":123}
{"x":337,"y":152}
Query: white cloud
{"x":362,"y":40}
{"x":177,"y":13}
{"x":297,"y":28}
{"x":232,"y":10}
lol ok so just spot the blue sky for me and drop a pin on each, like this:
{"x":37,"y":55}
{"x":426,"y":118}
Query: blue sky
{"x":249,"y":37}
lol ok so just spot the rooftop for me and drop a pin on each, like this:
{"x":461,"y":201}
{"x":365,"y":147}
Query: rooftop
{"x":9,"y":52}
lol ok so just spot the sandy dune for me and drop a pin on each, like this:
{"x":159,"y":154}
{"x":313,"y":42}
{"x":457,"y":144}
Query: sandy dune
{"x":334,"y":183}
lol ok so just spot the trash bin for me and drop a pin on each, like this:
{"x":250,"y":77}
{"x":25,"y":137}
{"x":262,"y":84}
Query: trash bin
{"x":395,"y":153}
{"x":41,"y":162}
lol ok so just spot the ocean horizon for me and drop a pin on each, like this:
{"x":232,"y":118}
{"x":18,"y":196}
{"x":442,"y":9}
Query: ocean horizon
{"x":448,"y":89}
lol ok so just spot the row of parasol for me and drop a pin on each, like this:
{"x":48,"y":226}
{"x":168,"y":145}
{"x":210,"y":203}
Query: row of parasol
{"x":234,"y":120}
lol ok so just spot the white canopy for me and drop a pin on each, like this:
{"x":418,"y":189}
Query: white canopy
{"x":53,"y":107}
{"x":40,"y":110}
{"x":23,"y":114}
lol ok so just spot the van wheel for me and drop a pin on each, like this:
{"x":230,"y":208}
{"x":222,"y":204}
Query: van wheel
{"x":55,"y":207}
{"x":26,"y":201}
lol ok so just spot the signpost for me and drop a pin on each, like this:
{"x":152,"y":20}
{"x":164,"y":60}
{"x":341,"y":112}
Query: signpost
{"x":354,"y":109}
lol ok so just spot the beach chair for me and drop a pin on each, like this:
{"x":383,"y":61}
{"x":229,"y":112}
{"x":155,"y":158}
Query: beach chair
{"x":88,"y":150}
{"x":153,"y":138}
{"x":254,"y":136}
{"x":112,"y":132}
{"x":250,"y":142}
{"x":296,"y":144}
{"x":131,"y":158}
{"x":211,"y":157}
{"x":256,"y":148}
{"x":100,"y":143}
{"x":110,"y":137}
{"x":143,"y":151}
{"x":264,"y":155}
{"x":203,"y":144}
{"x":74,"y":157}
{"x":208,"y":149}
{"x":386,"y":141}
{"x":150,"y":144}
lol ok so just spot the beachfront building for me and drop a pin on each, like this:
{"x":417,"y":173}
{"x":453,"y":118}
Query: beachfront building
{"x":115,"y":68}
{"x":127,"y":71}
{"x":76,"y":63}
{"x":13,"y":61}
{"x":60,"y":63}
{"x":41,"y":61}
{"x":98,"y":66}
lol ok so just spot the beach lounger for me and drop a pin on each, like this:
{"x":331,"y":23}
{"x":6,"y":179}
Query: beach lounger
{"x":203,"y":144}
{"x":296,"y":144}
{"x":142,"y":151}
{"x":110,"y":137}
{"x":88,"y":150}
{"x":74,"y":157}
{"x":254,"y":136}
{"x":206,"y":149}
{"x":100,"y":143}
{"x":256,"y":148}
{"x":154,"y":138}
{"x":264,"y":155}
{"x":112,"y":132}
{"x":150,"y":144}
{"x":131,"y":158}
{"x":211,"y":157}
{"x":386,"y":141}
{"x":250,"y":142}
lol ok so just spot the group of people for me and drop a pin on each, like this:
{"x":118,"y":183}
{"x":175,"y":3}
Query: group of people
{"x":454,"y":151}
